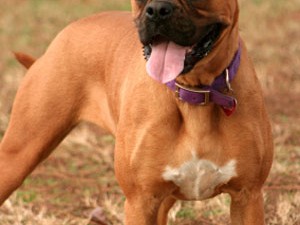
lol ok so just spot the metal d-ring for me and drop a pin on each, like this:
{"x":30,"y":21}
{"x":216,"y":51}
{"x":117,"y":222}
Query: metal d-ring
{"x":228,"y":81}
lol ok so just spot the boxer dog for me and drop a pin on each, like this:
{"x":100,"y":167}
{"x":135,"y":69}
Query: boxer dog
{"x":173,"y":83}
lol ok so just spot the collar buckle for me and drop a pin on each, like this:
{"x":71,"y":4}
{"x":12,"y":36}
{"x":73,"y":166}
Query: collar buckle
{"x":204,"y":92}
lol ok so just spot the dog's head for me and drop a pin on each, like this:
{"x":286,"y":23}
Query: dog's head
{"x":177,"y":34}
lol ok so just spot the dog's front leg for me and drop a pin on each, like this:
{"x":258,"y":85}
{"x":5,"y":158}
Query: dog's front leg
{"x":164,"y":209}
{"x":142,"y":205}
{"x":247,"y":208}
{"x":45,"y":109}
{"x":147,"y":201}
{"x":141,"y":209}
{"x":147,"y":209}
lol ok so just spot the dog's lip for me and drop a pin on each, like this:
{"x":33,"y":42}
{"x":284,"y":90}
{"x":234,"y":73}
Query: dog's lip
{"x":207,"y":36}
{"x":158,"y":38}
{"x":194,"y":52}
{"x":208,"y":39}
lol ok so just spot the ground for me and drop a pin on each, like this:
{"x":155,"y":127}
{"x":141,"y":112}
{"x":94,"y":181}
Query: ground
{"x":78,"y":177}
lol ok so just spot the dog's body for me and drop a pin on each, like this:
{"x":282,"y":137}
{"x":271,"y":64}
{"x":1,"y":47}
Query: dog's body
{"x":166,"y":149}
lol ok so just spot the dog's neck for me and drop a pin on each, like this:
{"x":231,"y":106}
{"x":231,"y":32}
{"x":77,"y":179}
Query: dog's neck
{"x":217,"y":92}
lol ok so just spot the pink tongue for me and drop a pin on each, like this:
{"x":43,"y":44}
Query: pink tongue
{"x":166,"y":61}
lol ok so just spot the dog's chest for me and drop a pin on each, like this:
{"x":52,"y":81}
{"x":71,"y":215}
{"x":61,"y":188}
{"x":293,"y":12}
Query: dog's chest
{"x":198,"y":178}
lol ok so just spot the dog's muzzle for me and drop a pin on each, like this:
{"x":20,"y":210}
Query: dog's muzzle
{"x":173,"y":41}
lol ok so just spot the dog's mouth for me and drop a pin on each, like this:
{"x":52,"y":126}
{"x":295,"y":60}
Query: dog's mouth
{"x":166,"y":59}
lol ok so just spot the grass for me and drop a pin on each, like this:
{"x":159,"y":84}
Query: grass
{"x":79,"y":176}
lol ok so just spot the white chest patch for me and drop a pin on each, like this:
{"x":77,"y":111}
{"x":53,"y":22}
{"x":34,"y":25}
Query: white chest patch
{"x":198,"y":178}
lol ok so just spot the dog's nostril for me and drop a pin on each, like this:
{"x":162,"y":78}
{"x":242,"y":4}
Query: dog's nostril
{"x":159,"y":10}
{"x":150,"y":11}
{"x":164,"y":12}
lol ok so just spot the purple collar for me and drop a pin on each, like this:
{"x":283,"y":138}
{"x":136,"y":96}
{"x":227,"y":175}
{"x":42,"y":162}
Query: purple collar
{"x":213,"y":93}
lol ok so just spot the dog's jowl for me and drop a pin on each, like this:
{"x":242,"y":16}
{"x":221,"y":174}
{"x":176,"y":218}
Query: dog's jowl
{"x":173,"y":83}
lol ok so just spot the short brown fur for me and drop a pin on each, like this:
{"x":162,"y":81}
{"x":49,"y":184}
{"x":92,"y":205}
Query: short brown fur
{"x":94,"y":70}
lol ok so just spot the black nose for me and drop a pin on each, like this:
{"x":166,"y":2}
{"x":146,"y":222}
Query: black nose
{"x":159,"y":10}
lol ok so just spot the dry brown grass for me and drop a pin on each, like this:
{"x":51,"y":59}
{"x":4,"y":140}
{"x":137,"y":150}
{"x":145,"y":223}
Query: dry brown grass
{"x":79,"y":175}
